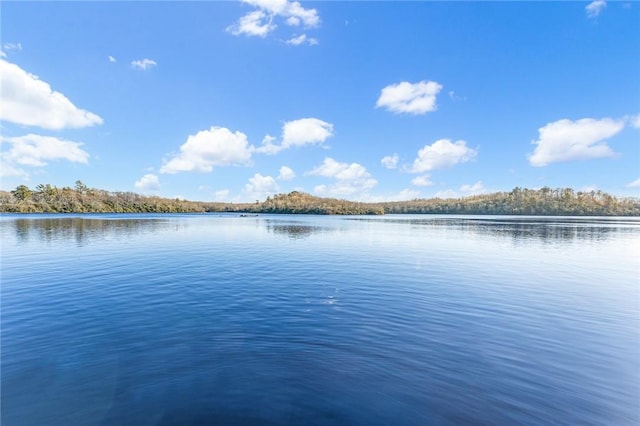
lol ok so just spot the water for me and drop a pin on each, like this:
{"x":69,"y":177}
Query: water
{"x":403,"y":320}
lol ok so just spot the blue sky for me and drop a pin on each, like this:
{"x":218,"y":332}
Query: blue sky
{"x":235,"y":101}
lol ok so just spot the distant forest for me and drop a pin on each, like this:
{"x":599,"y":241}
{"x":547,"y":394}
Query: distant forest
{"x":545,"y":201}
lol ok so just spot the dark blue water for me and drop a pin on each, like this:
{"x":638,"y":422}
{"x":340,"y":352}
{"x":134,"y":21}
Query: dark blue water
{"x":394,"y":320}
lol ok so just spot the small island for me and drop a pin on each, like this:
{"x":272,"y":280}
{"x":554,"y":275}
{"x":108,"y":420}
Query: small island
{"x":46,"y":198}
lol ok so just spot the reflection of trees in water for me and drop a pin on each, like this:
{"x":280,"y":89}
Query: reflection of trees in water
{"x":546,"y":229}
{"x":82,"y":229}
{"x":544,"y":232}
{"x":294,"y":230}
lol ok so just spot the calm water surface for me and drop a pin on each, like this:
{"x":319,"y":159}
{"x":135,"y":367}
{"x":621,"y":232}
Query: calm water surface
{"x":290,"y":320}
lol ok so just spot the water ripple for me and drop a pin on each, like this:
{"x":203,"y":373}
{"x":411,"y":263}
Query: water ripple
{"x":201,"y":319}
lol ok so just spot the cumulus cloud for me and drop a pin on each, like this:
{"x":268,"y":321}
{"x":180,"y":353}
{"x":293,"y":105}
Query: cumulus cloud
{"x":634,"y":184}
{"x":634,"y":121}
{"x":566,"y":140}
{"x":286,"y":173}
{"x":474,"y":189}
{"x":349,"y":178}
{"x":422,"y":181}
{"x":36,"y":151}
{"x":259,"y":187}
{"x":292,"y":11}
{"x":410,"y":98}
{"x":29,"y":101}
{"x":442,"y":154}
{"x":259,"y":22}
{"x":302,"y":39}
{"x":256,"y":23}
{"x":211,"y":148}
{"x":305,"y":131}
{"x":112,"y":59}
{"x":148,"y":183}
{"x":595,"y":8}
{"x":390,"y":161}
{"x":268,"y":146}
{"x":342,"y":171}
{"x":143,"y":64}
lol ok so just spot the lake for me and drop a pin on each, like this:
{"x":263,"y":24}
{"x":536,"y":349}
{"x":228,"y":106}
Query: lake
{"x":291,"y":320}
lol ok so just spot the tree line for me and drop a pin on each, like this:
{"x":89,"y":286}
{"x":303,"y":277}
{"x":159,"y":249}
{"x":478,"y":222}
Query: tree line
{"x":522,"y":201}
{"x":45,"y":198}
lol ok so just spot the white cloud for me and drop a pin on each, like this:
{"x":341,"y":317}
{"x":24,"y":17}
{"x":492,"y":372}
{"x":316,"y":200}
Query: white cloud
{"x":305,"y":131}
{"x":268,"y":147}
{"x":342,"y":171}
{"x":390,"y":161}
{"x":292,"y":11}
{"x":148,"y":182}
{"x":259,"y":187}
{"x":29,"y":101}
{"x":293,"y":21}
{"x":634,"y":184}
{"x":143,"y":64}
{"x":307,"y":17}
{"x":475,"y":189}
{"x":595,"y":8}
{"x":441,"y":154}
{"x":422,"y":181}
{"x":410,"y":98}
{"x":634,"y":121}
{"x":2,"y":54}
{"x":259,"y":22}
{"x":566,"y":140}
{"x":112,"y":59}
{"x":36,"y":151}
{"x":12,"y":46}
{"x":256,"y":23}
{"x":286,"y":173}
{"x":217,"y":146}
{"x":301,"y":39}
{"x":350,"y":178}
{"x":454,"y":97}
